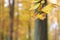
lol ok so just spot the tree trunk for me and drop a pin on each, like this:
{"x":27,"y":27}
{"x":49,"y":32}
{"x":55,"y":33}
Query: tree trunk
{"x":11,"y":3}
{"x":40,"y":29}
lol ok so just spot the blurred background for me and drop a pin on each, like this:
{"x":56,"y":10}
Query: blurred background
{"x":22,"y":25}
{"x":19,"y":25}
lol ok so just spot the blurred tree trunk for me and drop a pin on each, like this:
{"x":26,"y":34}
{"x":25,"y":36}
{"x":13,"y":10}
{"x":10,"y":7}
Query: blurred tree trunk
{"x":11,"y":3}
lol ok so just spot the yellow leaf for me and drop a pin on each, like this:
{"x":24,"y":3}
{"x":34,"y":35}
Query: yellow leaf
{"x":41,"y":16}
{"x":34,"y":7}
{"x":48,"y":8}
